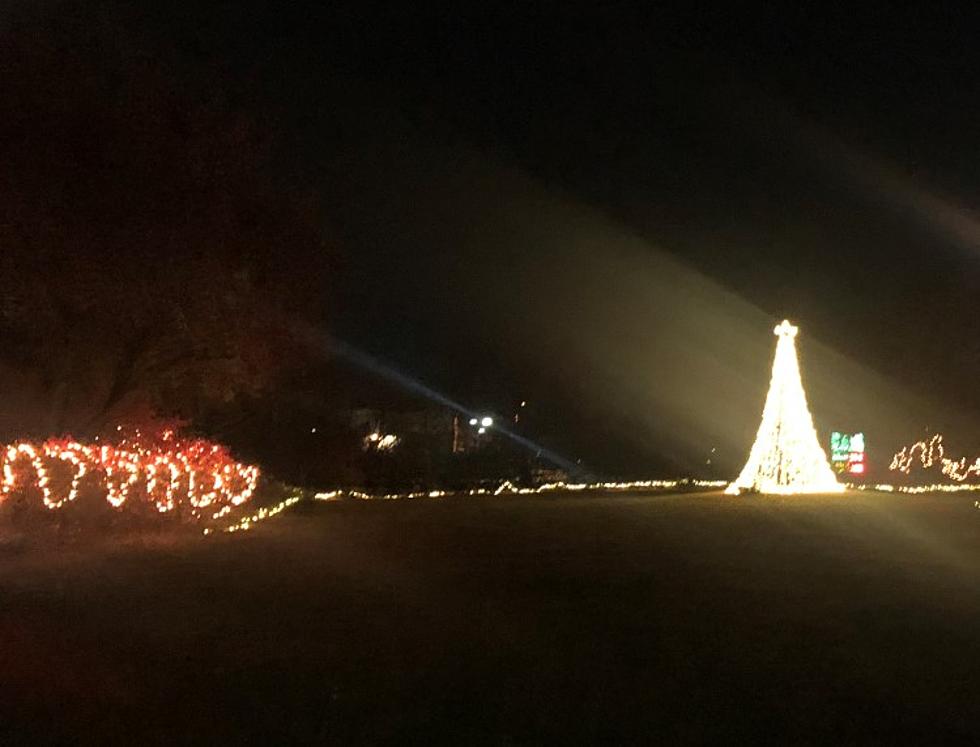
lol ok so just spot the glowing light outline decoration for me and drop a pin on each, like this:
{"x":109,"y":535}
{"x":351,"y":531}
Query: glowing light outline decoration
{"x":119,"y":468}
{"x":930,"y":453}
{"x":786,"y":457}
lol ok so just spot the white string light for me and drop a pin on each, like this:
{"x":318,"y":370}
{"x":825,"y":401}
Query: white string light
{"x":920,"y":489}
{"x":247,"y":522}
{"x":508,"y":488}
{"x":929,"y":453}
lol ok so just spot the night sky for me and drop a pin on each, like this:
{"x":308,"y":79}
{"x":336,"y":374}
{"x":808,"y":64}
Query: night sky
{"x":605,"y":214}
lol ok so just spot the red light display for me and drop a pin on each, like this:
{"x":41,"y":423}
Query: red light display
{"x":165,"y":471}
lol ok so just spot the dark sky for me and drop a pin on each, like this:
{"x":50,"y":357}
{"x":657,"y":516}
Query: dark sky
{"x":605,"y":214}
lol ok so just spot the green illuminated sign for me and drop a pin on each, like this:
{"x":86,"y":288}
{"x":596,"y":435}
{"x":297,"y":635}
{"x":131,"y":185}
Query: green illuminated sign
{"x":847,"y":451}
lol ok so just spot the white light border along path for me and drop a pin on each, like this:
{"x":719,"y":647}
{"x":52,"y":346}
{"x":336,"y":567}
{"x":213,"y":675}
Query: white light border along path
{"x":508,"y":488}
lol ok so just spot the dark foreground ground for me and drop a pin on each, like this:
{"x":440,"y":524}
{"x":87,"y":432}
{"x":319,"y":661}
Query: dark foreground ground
{"x":656,"y":619}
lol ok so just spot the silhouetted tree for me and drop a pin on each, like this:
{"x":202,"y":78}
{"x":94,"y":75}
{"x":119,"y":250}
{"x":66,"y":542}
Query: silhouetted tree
{"x":149,"y":263}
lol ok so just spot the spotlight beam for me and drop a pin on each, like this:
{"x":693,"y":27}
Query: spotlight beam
{"x":331,"y":345}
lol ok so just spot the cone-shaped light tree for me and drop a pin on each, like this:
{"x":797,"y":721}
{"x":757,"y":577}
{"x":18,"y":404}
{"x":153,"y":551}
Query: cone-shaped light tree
{"x":786,"y":456}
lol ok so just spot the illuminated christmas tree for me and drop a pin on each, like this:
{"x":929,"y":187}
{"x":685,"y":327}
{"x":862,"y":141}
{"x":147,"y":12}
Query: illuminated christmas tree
{"x":786,"y":456}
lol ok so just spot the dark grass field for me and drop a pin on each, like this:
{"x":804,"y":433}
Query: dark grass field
{"x":561,"y":619}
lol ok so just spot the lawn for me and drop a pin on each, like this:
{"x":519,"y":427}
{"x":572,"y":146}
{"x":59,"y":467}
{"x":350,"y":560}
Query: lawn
{"x":510,"y":620}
